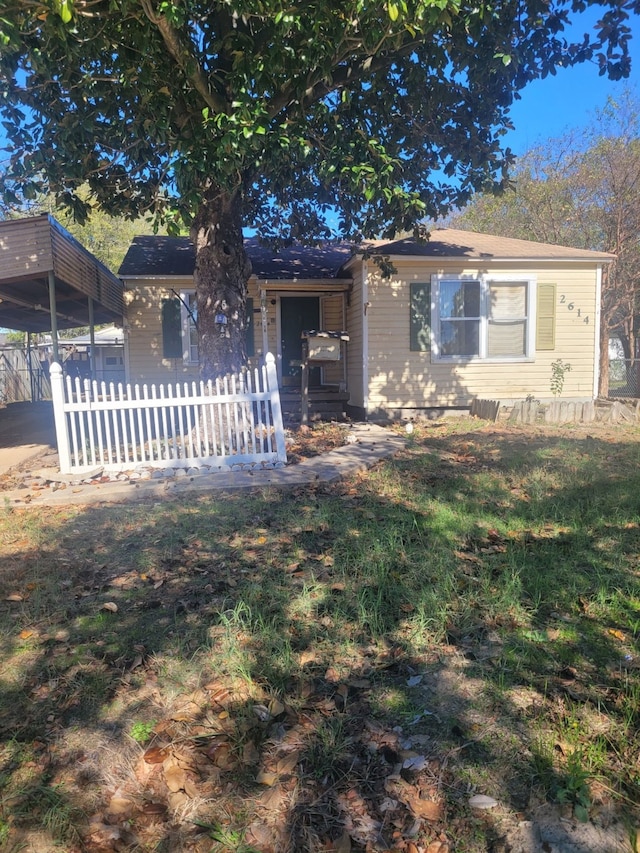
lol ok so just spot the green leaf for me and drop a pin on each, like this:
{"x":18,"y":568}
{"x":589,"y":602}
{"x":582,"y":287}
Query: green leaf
{"x":393,"y":11}
{"x":581,"y":813}
{"x":65,"y":10}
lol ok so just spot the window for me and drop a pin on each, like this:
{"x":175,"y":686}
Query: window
{"x":459,"y":309}
{"x":507,"y":322}
{"x":482,"y":318}
{"x":188,"y":318}
{"x":189,"y":328}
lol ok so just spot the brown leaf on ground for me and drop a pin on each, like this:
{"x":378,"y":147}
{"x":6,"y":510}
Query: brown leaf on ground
{"x":120,"y":806}
{"x":175,"y":777}
{"x":266,"y":777}
{"x":260,"y":835}
{"x":430,"y":810}
{"x":288,"y":763}
{"x":220,"y":753}
{"x":274,"y":798}
{"x":155,"y":755}
{"x":250,"y":754}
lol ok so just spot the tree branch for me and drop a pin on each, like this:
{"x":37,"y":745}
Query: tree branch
{"x":184,"y":58}
{"x":343,"y":76}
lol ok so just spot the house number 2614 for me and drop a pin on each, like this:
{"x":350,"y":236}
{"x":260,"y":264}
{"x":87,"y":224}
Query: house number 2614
{"x":571,"y":307}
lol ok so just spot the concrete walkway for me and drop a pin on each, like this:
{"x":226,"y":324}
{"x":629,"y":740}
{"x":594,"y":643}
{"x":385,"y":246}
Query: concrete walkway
{"x":26,"y":431}
{"x":367,"y":444}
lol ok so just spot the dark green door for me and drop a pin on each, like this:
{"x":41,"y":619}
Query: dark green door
{"x":297,"y":314}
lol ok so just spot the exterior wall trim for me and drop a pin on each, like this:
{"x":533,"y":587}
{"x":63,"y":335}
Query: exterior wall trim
{"x":596,"y":332}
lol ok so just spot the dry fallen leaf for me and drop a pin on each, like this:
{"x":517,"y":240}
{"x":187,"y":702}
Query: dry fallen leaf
{"x":120,"y":806}
{"x":250,"y":754}
{"x":288,"y":764}
{"x":154,"y":808}
{"x":155,"y":755}
{"x":276,"y":708}
{"x":266,"y":777}
{"x":110,"y":606}
{"x":175,"y":777}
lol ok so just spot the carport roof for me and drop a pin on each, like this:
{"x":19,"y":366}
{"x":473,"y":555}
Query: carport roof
{"x":33,"y":248}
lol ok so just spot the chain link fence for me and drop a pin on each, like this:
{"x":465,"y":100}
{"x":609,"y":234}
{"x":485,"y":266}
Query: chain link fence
{"x":624,"y":377}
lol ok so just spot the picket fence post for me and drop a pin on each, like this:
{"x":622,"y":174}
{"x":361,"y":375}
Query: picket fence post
{"x":276,"y":408}
{"x":60,"y":419}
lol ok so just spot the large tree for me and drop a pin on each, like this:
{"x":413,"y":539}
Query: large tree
{"x":221,"y":114}
{"x":582,"y":190}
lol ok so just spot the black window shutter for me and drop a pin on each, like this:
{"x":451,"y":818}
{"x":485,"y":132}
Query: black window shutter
{"x":171,"y":329}
{"x":251,"y":349}
{"x":420,"y":327}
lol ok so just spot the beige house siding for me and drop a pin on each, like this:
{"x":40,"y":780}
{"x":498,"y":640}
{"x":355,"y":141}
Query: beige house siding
{"x":382,"y":372}
{"x":144,"y":360}
{"x":143,"y":342}
{"x":400,"y":378}
{"x":332,"y":320}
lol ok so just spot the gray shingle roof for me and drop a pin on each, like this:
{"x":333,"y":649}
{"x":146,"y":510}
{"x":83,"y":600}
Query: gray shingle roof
{"x":174,"y":256}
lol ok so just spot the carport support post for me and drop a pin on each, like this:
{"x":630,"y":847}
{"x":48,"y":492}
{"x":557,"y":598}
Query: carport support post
{"x":92,"y":336}
{"x":54,"y":316}
{"x":60,"y":419}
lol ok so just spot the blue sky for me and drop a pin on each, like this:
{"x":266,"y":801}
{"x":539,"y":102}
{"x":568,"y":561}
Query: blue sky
{"x":567,"y":100}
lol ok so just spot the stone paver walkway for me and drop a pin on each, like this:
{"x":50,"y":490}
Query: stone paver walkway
{"x":367,"y":444}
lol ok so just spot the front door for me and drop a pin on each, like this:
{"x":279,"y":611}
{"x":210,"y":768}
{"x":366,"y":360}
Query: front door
{"x":297,"y":314}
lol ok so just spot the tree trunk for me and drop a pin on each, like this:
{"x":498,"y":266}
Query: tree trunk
{"x":221,"y":273}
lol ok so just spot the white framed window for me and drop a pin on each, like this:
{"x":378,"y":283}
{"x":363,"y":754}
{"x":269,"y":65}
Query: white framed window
{"x":189,"y":331}
{"x":188,"y":325}
{"x":483,"y":317}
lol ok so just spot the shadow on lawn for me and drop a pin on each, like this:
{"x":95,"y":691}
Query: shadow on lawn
{"x":384,"y":654}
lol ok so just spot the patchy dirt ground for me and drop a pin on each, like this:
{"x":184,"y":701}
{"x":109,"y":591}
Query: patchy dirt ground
{"x":362,"y":785}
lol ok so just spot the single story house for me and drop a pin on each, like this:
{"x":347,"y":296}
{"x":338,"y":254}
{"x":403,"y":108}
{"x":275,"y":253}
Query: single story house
{"x":108,"y":352}
{"x":461,"y":316}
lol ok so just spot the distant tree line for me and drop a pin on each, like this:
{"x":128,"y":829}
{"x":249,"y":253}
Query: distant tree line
{"x":582,"y":190}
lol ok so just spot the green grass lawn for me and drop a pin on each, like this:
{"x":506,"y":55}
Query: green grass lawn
{"x":333,"y":668}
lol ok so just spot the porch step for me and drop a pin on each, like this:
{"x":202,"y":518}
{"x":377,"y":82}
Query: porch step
{"x":323,"y":404}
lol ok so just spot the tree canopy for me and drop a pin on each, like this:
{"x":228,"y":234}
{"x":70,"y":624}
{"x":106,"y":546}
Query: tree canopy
{"x":223,"y":115}
{"x":582,"y":190}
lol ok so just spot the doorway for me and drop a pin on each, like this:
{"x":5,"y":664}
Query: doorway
{"x":297,"y":314}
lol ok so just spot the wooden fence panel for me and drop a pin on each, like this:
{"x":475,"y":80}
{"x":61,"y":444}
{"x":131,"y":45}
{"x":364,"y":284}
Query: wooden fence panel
{"x":234,"y":421}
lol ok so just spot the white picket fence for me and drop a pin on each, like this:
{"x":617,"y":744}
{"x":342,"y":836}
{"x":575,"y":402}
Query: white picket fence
{"x":235,"y":421}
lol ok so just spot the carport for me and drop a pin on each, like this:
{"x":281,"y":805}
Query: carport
{"x":49,"y":281}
